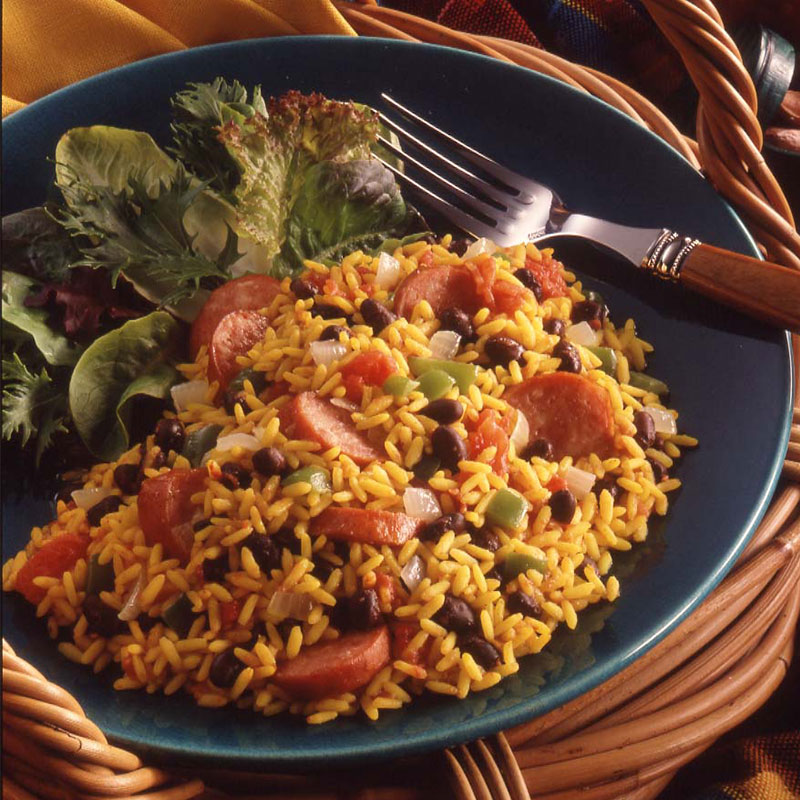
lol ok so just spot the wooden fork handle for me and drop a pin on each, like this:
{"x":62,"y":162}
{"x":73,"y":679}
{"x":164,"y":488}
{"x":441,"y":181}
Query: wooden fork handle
{"x":759,"y":288}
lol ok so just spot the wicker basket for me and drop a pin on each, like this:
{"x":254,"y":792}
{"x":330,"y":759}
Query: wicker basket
{"x":627,"y":737}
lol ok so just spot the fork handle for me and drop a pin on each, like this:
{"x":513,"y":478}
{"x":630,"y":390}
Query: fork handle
{"x":759,"y":288}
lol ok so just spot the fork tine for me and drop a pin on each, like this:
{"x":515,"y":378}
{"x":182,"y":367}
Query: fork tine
{"x":459,"y":778}
{"x":477,"y":781}
{"x":507,"y":176}
{"x":494,"y":776}
{"x":514,"y":774}
{"x":504,"y":198}
{"x":467,"y":223}
{"x":468,"y":199}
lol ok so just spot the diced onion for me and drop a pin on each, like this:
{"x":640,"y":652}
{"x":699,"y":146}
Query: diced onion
{"x":664,"y":421}
{"x":579,"y":482}
{"x":244,"y":440}
{"x":421,"y":504}
{"x":290,"y":604}
{"x":444,"y":344}
{"x":388,"y":273}
{"x":479,"y":247}
{"x":413,"y":573}
{"x":582,"y":333}
{"x":327,"y":352}
{"x":190,"y":392}
{"x":521,"y":433}
{"x":343,"y":402}
{"x":130,"y":610}
{"x":86,"y":498}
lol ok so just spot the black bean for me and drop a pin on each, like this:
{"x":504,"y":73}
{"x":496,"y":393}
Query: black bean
{"x":485,"y":538}
{"x":376,"y":315}
{"x":609,"y":483}
{"x":158,"y":459}
{"x":269,"y":461}
{"x":235,"y":476}
{"x":455,"y":615}
{"x":225,"y":669}
{"x":285,"y":538}
{"x":106,"y":506}
{"x":127,"y":477}
{"x":526,"y":277}
{"x":215,"y":569}
{"x":146,"y":622}
{"x":502,"y":350}
{"x":339,"y":615}
{"x":484,"y":653}
{"x":444,"y":411}
{"x":170,"y":435}
{"x":322,"y":569}
{"x":342,"y":549}
{"x":266,"y":551}
{"x":101,"y":618}
{"x":329,"y":311}
{"x":659,"y":470}
{"x":200,"y":524}
{"x":645,"y":428}
{"x":364,"y":610}
{"x":554,"y":326}
{"x":232,"y":397}
{"x":540,"y":448}
{"x":332,"y":332}
{"x":458,"y":321}
{"x":459,"y":246}
{"x":522,"y":603}
{"x":562,"y":505}
{"x":448,"y":447}
{"x":570,"y":359}
{"x":67,"y":488}
{"x":434,"y":531}
{"x":495,"y":574}
{"x":303,"y":289}
{"x":589,"y":311}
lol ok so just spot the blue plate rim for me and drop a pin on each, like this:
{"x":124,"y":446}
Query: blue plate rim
{"x":483,"y":725}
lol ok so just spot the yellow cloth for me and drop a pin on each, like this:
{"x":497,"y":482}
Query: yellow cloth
{"x":48,"y":44}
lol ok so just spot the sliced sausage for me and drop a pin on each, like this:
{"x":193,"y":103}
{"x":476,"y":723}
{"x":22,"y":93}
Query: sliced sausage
{"x":316,"y":419}
{"x":365,"y":525}
{"x":573,"y":413}
{"x":248,"y":293}
{"x":443,"y":287}
{"x":52,"y":560}
{"x":236,"y":333}
{"x":332,"y":668}
{"x":166,"y":510}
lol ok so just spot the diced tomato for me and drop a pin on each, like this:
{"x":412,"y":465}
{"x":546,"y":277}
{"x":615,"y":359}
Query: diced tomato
{"x":488,"y":431}
{"x":387,"y":589}
{"x":402,"y":634}
{"x":425,"y":260}
{"x":330,"y":287}
{"x":367,"y":369}
{"x":555,"y":484}
{"x":229,"y":612}
{"x":331,"y":668}
{"x":166,"y":510}
{"x":248,"y":293}
{"x":235,"y":334}
{"x":548,"y":272}
{"x":485,"y":277}
{"x":508,"y":296}
{"x":274,"y":391}
{"x":52,"y":560}
{"x":128,"y":668}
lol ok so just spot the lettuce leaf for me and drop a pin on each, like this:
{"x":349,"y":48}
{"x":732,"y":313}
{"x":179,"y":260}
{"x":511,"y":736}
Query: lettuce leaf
{"x":34,"y":244}
{"x":133,"y":361}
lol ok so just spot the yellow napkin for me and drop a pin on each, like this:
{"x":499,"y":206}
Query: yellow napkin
{"x":48,"y":44}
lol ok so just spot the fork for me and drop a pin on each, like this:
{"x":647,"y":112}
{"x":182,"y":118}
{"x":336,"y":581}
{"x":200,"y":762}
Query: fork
{"x":476,"y":774}
{"x":510,"y":208}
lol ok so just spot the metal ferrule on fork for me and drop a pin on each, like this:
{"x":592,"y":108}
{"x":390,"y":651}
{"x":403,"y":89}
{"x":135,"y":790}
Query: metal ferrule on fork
{"x":665,"y":258}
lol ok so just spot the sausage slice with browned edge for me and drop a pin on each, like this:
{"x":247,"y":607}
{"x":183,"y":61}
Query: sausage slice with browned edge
{"x":366,"y":525}
{"x":443,"y":287}
{"x":316,"y":419}
{"x":235,"y":334}
{"x":248,"y":293}
{"x":332,"y":668}
{"x":166,"y":510}
{"x":572,"y":412}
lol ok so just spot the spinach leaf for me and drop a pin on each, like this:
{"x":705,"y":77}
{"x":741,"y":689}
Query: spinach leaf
{"x":34,"y":244}
{"x":133,"y":361}
{"x":55,"y":348}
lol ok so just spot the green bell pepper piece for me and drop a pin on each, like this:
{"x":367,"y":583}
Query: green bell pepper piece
{"x":649,"y":384}
{"x":608,"y":358}
{"x":516,"y":563}
{"x":435,"y":384}
{"x":179,"y":616}
{"x":426,"y":468}
{"x":506,"y":509}
{"x":99,"y":577}
{"x":318,"y":477}
{"x":399,"y":385}
{"x":464,"y":374}
{"x":258,"y":379}
{"x":199,"y":442}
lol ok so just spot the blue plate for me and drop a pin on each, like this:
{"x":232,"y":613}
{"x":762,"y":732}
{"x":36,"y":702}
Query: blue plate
{"x":730,"y":377}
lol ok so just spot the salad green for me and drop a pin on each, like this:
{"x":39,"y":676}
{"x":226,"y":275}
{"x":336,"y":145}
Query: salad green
{"x":99,"y":283}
